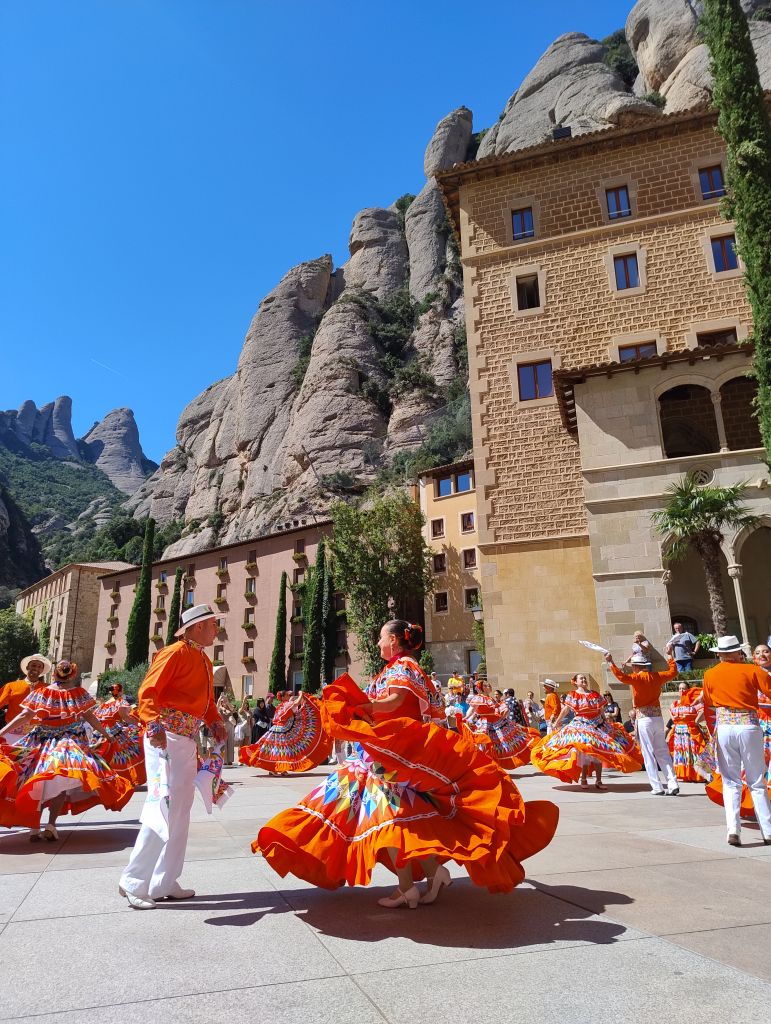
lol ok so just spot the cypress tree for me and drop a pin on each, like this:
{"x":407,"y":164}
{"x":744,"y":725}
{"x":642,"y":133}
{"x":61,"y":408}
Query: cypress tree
{"x":329,"y":624}
{"x":313,"y":625}
{"x":743,"y":122}
{"x":176,"y":597}
{"x":138,"y":630}
{"x":277,"y":674}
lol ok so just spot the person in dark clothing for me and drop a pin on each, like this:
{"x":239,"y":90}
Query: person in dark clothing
{"x":260,"y":720}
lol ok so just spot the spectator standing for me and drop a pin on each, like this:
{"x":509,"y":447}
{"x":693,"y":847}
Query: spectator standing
{"x":243,"y":730}
{"x":228,"y":715}
{"x":533,"y":710}
{"x":612,"y":710}
{"x":260,"y":720}
{"x":681,"y":647}
{"x":640,"y":645}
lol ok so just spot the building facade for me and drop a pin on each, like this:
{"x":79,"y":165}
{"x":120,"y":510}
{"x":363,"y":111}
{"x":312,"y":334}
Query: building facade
{"x":447,"y":498}
{"x":68,"y":599}
{"x":240,"y":581}
{"x":605,"y":316}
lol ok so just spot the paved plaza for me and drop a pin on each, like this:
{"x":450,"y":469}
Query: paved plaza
{"x":638,"y":911}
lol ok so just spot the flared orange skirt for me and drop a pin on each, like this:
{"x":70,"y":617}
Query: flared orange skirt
{"x":583,"y":742}
{"x":295,"y":742}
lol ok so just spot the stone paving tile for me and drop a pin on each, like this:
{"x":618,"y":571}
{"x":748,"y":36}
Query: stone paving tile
{"x":665,"y":899}
{"x":202,"y":945}
{"x":13,"y":890}
{"x":326,"y":1001}
{"x":744,"y":948}
{"x":707,"y":839}
{"x":627,"y":983}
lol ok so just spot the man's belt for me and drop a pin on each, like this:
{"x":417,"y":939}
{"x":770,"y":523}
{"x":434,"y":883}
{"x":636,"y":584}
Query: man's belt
{"x":736,"y":716}
{"x":649,"y":711}
{"x":181,"y":723}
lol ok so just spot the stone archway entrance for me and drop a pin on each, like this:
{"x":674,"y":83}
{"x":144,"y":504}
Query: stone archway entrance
{"x":754,"y":581}
{"x":688,"y":599}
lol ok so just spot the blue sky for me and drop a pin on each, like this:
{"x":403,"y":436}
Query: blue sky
{"x":165,"y":162}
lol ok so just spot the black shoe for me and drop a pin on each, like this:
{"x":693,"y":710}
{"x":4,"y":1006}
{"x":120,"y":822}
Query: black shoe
{"x":734,"y":840}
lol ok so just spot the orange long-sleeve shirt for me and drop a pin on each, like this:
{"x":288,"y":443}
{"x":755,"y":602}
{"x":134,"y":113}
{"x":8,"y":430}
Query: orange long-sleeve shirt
{"x":551,"y":706}
{"x":13,"y":694}
{"x":732,"y":684}
{"x":180,"y":677}
{"x":646,"y":686}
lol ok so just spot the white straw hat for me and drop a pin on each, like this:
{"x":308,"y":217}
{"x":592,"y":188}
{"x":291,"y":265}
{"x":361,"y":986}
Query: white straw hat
{"x":639,"y":659}
{"x":549,"y":682}
{"x":726,"y":645}
{"x":199,"y":613}
{"x":47,"y":666}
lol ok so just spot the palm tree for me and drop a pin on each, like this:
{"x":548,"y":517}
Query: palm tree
{"x":695,"y":517}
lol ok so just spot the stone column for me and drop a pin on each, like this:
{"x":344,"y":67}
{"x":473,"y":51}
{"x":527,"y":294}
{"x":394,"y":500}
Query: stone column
{"x":735,"y":572}
{"x":717,"y":400}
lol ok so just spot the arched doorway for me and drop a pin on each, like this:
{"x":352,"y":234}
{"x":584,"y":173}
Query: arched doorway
{"x":688,"y":421}
{"x":688,"y":599}
{"x":755,"y":558}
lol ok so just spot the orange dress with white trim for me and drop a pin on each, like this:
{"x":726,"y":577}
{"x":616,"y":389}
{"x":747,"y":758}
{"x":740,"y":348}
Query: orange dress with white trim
{"x":589,"y":738}
{"x":687,"y":741}
{"x":504,"y":740}
{"x":411,"y":787}
{"x":124,"y":751}
{"x":295,"y":742}
{"x":54,"y":757}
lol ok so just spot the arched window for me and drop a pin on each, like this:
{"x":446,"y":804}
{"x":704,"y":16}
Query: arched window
{"x":741,"y":426}
{"x":688,"y":422}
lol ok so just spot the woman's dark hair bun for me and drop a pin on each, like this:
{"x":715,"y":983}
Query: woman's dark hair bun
{"x":410,"y":634}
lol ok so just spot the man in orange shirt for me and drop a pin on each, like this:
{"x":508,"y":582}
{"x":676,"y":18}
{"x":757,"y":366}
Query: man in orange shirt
{"x":551,"y":704}
{"x":731,"y":688}
{"x":34,"y":668}
{"x":646,"y":689}
{"x":175,"y":698}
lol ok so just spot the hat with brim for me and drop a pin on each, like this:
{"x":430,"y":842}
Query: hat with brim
{"x":550,"y":683}
{"x":726,"y":645}
{"x":191,"y":616}
{"x":639,"y":659}
{"x":25,"y":662}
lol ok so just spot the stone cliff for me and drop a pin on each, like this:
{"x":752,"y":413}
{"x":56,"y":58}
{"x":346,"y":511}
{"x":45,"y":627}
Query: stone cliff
{"x":344,"y":371}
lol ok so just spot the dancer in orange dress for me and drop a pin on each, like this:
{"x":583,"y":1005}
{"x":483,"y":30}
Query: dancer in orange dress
{"x":295,"y":742}
{"x":124,"y":748}
{"x":685,"y":739}
{"x":588,"y":741}
{"x":57,"y":769}
{"x":504,"y":740}
{"x":412,"y":797}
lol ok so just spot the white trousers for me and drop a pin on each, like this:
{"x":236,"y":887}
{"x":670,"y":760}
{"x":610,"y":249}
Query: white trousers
{"x":156,"y":861}
{"x":737,"y":746}
{"x":653,"y":743}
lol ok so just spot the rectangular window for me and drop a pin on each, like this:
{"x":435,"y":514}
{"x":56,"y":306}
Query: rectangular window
{"x":158,"y":629}
{"x":437,"y":528}
{"x":189,"y":598}
{"x":724,"y":337}
{"x":522,"y":224}
{"x":250,"y":585}
{"x":218,"y":653}
{"x":627,"y":273}
{"x":535,"y":380}
{"x":248,"y":649}
{"x":224,"y":562}
{"x":191,"y":570}
{"x":441,"y":603}
{"x":247,"y":685}
{"x":444,"y":487}
{"x":440,"y":563}
{"x":467,"y":522}
{"x":528,"y":292}
{"x":252,"y":556}
{"x":163,"y":576}
{"x":113,"y":610}
{"x":341,"y":639}
{"x":297,"y":680}
{"x":249,"y":614}
{"x":160,"y":601}
{"x":469,"y":558}
{"x":618,"y":202}
{"x":298,"y":642}
{"x":639,"y":351}
{"x":107,"y":663}
{"x":222,"y":590}
{"x":724,"y":253}
{"x":463,"y":482}
{"x":470,"y":597}
{"x":711,"y":182}
{"x":299,"y":546}
{"x":111,"y":636}
{"x":298,"y":575}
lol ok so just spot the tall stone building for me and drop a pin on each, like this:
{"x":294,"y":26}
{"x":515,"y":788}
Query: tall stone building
{"x":69,"y":600}
{"x":605,"y":317}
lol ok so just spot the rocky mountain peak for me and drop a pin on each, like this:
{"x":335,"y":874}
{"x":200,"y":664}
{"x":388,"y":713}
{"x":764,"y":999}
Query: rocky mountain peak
{"x":112,"y":445}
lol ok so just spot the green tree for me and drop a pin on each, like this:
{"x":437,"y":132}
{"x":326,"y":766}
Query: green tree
{"x":426,"y":660}
{"x":312,"y":640}
{"x":277,"y":674}
{"x":44,"y":639}
{"x":381,"y":563}
{"x":138,"y":629}
{"x":176,"y":598}
{"x":694,"y":518}
{"x":743,"y":122}
{"x":478,"y":632}
{"x":17,"y":640}
{"x":329,"y":620}
{"x":129,"y":678}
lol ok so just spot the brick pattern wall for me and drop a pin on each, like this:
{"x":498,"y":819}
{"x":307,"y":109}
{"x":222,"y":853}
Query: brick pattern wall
{"x":530,"y":479}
